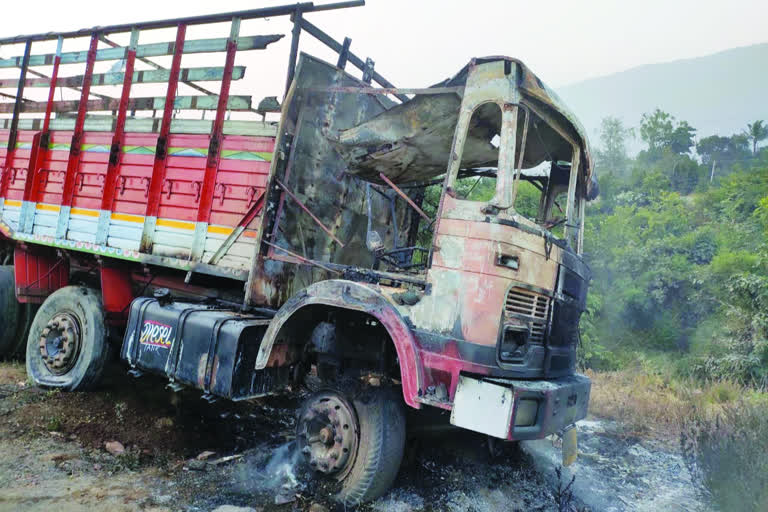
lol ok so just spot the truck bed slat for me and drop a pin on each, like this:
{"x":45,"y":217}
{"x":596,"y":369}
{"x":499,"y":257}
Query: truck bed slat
{"x":148,"y":50}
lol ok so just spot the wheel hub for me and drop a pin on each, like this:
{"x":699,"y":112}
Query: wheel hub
{"x":60,"y":343}
{"x":329,"y":435}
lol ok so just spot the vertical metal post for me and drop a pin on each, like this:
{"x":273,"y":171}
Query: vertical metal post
{"x":344,"y":53}
{"x":41,"y":147}
{"x":115,"y":152}
{"x":214,"y":147}
{"x":10,"y":153}
{"x":295,"y":33}
{"x":77,"y":140}
{"x":158,"y":169}
{"x":19,"y":96}
{"x":368,"y":70}
{"x":52,"y":87}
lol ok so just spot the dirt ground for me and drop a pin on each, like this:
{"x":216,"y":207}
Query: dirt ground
{"x":53,"y":456}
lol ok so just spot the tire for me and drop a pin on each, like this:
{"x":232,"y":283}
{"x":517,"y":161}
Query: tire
{"x":80,"y":364}
{"x":378,"y":449}
{"x":26,"y":317}
{"x":10,"y":311}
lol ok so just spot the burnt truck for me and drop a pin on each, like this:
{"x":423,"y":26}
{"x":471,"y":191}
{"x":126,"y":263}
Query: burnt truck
{"x":374,"y":249}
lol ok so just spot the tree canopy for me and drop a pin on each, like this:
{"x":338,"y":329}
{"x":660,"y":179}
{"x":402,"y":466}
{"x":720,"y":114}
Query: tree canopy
{"x":680,"y":258}
{"x":756,"y":132}
{"x":663,"y":133}
{"x":611,"y":156}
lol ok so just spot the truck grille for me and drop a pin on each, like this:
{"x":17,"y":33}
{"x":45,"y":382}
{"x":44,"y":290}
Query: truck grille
{"x":534,"y":307}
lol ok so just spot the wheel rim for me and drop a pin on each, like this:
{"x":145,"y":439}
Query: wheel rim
{"x":60,"y":343}
{"x":329,"y":435}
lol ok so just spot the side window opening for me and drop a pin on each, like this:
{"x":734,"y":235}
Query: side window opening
{"x":528,"y":200}
{"x":476,"y":180}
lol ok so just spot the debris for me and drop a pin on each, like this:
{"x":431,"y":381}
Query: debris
{"x":225,"y":459}
{"x":205,"y":455}
{"x":318,"y":507}
{"x":196,"y":465}
{"x":114,"y":447}
{"x":232,"y":508}
{"x":164,"y":423}
{"x":59,"y":457}
{"x":285,"y":495}
{"x":164,"y":499}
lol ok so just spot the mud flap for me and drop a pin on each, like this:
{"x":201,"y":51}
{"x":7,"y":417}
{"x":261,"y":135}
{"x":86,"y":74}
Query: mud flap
{"x":570,"y":445}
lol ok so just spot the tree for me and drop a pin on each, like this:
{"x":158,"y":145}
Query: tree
{"x":612,"y":154}
{"x":656,"y":129}
{"x":681,"y":139}
{"x":662,"y":133}
{"x":685,"y":175}
{"x":726,"y":150}
{"x":757,"y":132}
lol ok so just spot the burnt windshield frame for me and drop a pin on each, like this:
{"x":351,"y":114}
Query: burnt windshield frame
{"x":574,"y":225}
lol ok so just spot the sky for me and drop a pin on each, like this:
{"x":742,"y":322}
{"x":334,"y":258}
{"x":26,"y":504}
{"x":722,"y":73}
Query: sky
{"x":419,"y":42}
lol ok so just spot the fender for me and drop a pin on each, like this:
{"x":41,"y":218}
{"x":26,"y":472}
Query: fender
{"x":357,"y":297}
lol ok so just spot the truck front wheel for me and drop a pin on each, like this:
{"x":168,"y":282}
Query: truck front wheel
{"x":67,"y":344}
{"x":357,"y":441}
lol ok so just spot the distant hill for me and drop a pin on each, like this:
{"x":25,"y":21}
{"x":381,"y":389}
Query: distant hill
{"x":716,"y":94}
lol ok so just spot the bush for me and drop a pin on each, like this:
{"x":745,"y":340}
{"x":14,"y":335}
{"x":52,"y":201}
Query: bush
{"x":727,"y":455}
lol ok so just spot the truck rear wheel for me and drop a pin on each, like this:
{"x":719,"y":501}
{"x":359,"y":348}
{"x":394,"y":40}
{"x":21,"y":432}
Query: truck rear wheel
{"x":67,"y":344}
{"x":9,"y":312}
{"x":357,"y":441}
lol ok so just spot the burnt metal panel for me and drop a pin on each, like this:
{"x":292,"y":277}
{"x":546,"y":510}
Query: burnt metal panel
{"x":330,"y":206}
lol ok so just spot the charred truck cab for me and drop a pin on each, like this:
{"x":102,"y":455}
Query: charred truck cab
{"x":378,"y":247}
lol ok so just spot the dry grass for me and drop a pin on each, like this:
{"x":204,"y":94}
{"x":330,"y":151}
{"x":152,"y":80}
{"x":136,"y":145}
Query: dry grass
{"x":656,"y":406}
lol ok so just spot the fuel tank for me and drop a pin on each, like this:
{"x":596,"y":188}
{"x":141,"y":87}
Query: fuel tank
{"x":200,"y":346}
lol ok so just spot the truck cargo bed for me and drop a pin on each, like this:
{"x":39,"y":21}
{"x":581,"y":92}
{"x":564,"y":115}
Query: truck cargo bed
{"x":178,"y":239}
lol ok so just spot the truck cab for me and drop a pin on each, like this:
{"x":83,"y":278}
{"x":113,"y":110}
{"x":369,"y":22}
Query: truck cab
{"x":469,"y":225}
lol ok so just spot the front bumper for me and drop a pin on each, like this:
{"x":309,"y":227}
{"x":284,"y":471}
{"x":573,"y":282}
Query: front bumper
{"x":519,"y":410}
